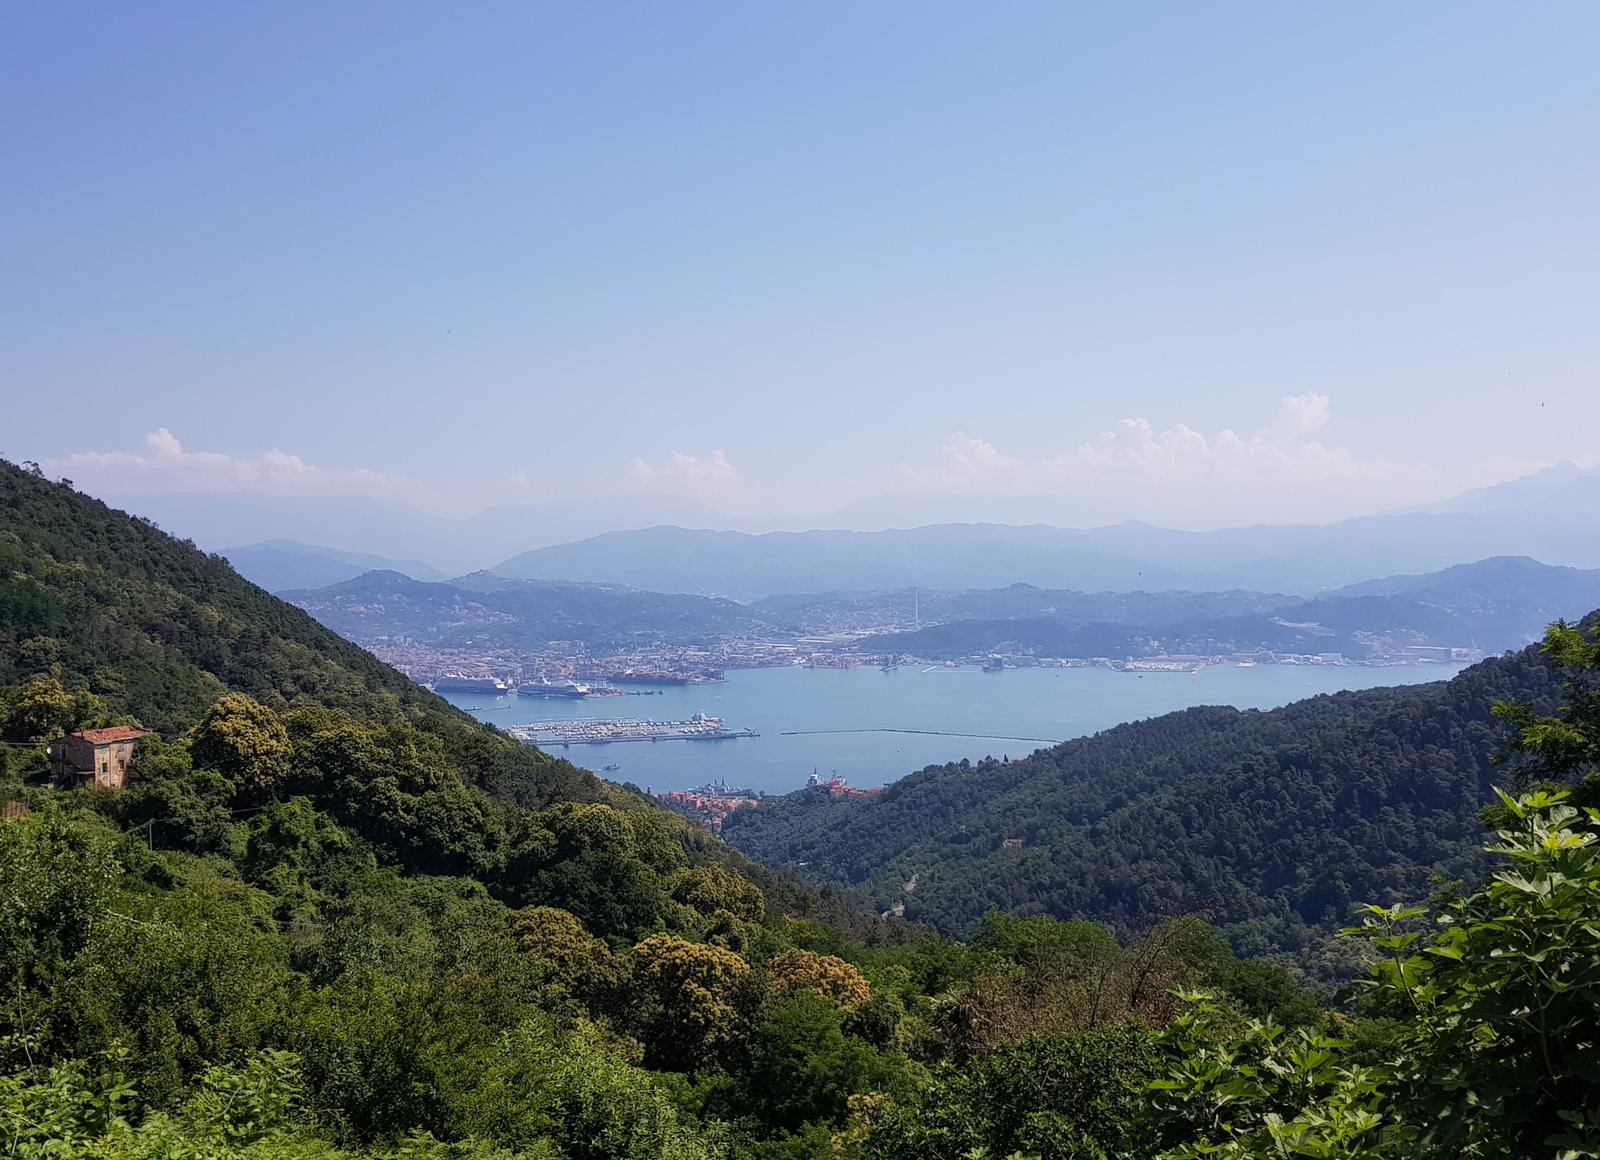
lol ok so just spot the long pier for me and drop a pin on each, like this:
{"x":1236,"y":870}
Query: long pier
{"x":923,"y":732}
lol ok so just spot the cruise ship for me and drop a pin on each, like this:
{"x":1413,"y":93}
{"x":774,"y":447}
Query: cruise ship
{"x":647,"y":677}
{"x":548,"y":688}
{"x":663,"y":677}
{"x":456,"y":683}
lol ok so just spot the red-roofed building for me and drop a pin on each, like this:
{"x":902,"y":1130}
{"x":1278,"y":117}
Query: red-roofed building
{"x":97,"y":757}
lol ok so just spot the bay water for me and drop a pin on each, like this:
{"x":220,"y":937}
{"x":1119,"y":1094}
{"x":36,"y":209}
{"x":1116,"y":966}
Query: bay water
{"x":828,"y":720}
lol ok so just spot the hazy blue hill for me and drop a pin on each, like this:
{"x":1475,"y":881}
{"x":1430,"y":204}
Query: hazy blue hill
{"x":1495,"y":604}
{"x":1499,"y":603}
{"x":1138,"y":607}
{"x":1269,"y":822}
{"x":391,"y":530}
{"x":1553,"y":516}
{"x":484,"y":609}
{"x":280,"y":565}
{"x":1559,"y":524}
{"x":986,"y":612}
{"x":1497,"y":579}
{"x":1560,"y":484}
{"x":746,"y":566}
{"x":1049,"y":636}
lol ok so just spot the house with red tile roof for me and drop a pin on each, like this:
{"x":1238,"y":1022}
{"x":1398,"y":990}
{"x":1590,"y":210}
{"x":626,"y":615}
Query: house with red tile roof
{"x":94,"y":757}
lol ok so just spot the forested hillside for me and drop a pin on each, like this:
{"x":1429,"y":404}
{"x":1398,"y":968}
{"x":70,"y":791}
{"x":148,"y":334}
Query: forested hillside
{"x":157,"y":630}
{"x":311,"y":823}
{"x":1269,"y":823}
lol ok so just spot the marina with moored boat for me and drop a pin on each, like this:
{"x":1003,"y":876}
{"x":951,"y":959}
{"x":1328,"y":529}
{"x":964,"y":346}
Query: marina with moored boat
{"x":605,"y":731}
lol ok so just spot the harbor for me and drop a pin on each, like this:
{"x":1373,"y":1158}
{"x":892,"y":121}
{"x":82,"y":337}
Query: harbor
{"x":610,"y":730}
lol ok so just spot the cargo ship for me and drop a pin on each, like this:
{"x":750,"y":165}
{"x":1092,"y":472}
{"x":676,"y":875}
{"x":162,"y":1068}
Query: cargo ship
{"x":456,"y":683}
{"x":1161,"y":665}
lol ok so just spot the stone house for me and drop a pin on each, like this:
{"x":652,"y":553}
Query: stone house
{"x":94,"y":757}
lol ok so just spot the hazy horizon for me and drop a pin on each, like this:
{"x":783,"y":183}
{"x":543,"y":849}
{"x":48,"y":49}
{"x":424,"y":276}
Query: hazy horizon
{"x":873,"y":514}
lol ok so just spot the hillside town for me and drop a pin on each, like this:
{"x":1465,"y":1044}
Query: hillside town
{"x":716,"y":801}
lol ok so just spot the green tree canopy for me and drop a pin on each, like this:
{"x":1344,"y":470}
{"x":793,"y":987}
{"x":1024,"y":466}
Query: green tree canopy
{"x":244,"y":741}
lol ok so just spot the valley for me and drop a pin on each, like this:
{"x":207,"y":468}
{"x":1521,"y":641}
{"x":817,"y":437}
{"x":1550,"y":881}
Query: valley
{"x":800,"y":581}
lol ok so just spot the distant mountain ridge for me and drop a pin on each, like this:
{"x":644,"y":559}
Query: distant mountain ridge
{"x":1552,"y":516}
{"x":1125,"y":558}
{"x":1564,"y":482}
{"x":281,"y":565}
{"x":393,"y":530}
{"x":744,"y":566}
{"x":641,"y":541}
{"x":483,"y":609}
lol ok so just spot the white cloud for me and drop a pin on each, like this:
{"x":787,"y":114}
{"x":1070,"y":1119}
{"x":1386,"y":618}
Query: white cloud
{"x":164,"y":465}
{"x":1180,"y":474}
{"x":1299,"y":415}
{"x":689,"y":474}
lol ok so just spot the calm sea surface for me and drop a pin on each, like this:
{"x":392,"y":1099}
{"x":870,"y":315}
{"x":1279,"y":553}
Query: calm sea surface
{"x":1043,"y":704}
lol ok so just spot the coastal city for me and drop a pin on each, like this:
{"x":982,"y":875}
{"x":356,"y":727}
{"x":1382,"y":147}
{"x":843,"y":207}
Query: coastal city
{"x":568,"y":670}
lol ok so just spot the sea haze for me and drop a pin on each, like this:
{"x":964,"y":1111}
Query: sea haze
{"x":791,"y":707}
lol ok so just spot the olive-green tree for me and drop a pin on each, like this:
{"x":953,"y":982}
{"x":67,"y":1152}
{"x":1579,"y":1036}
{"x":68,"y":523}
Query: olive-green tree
{"x":42,"y":708}
{"x":685,"y":998}
{"x":245,"y":741}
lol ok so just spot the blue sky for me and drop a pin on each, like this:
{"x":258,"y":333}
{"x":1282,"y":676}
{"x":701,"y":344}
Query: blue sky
{"x":787,"y":257}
